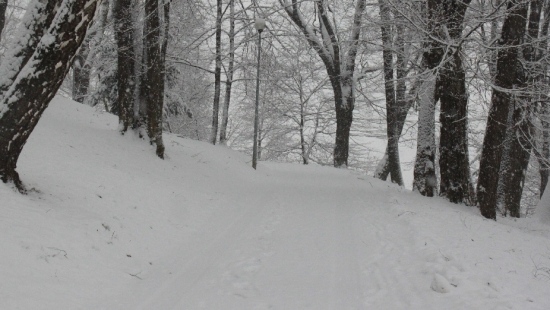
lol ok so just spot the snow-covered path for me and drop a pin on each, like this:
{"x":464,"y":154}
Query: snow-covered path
{"x":303,"y":246}
{"x":113,"y":227}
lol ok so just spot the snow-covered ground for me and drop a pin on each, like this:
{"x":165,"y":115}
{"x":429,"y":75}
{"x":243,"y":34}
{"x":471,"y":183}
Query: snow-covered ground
{"x":110,"y":226}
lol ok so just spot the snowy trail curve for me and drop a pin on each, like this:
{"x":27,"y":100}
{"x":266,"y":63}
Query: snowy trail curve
{"x":318,"y":246}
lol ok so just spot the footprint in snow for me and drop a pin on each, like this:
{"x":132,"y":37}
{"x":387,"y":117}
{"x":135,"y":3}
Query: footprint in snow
{"x":440,"y":284}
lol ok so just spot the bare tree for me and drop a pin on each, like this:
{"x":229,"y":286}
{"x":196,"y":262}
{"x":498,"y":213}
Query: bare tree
{"x":507,"y":79}
{"x":217,"y":74}
{"x":230,"y":73}
{"x":340,"y":68}
{"x":155,"y":46}
{"x":126,"y":83}
{"x":396,"y":111}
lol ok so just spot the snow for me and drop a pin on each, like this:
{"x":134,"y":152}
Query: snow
{"x":110,"y":226}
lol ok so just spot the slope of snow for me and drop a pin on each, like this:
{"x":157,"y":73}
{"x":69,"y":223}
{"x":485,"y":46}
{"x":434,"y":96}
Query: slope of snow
{"x":110,"y":226}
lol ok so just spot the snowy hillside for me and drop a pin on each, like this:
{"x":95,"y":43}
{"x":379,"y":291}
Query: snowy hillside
{"x":110,"y":226}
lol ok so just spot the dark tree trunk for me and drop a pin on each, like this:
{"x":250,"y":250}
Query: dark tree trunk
{"x":344,"y":118}
{"x":391,"y":158}
{"x":521,"y":127}
{"x":507,"y":73}
{"x":383,"y":170}
{"x":230,"y":68}
{"x":154,"y":75}
{"x":305,"y":159}
{"x":544,"y":156}
{"x":217,"y":74}
{"x":454,"y":163}
{"x":36,"y":82}
{"x":402,"y":106}
{"x":513,"y":176}
{"x":42,"y":13}
{"x":3,"y":7}
{"x":126,"y":82}
{"x":451,"y":91}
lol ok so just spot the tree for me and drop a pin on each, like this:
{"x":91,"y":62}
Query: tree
{"x":54,"y":30}
{"x":126,"y":83}
{"x":520,"y":129}
{"x":3,"y":7}
{"x":507,"y":79}
{"x":340,"y":67}
{"x":396,"y":111}
{"x":217,"y":73}
{"x":83,"y":64}
{"x":145,"y":111}
{"x":155,"y":46}
{"x":445,"y":23}
{"x":425,"y":178}
{"x":230,"y":73}
{"x":544,"y":149}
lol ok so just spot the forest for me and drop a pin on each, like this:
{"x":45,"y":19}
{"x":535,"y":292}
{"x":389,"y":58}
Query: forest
{"x":463,"y":84}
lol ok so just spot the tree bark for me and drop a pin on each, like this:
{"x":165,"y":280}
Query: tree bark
{"x":453,"y":144}
{"x":451,"y":90}
{"x":230,"y":68}
{"x":3,"y":7}
{"x":522,"y":126}
{"x":126,"y":82}
{"x":544,"y":156}
{"x":392,"y":164}
{"x":507,"y":73}
{"x":42,"y":68}
{"x":425,"y":180}
{"x":39,"y":16}
{"x":154,"y":75}
{"x":217,"y":74}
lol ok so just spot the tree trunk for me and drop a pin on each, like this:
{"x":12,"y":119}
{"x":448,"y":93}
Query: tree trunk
{"x":305,"y":158}
{"x":154,"y":75}
{"x":425,"y":180}
{"x":454,"y":163}
{"x":392,"y":164}
{"x":230,"y":68}
{"x":217,"y":74}
{"x":38,"y":17}
{"x":126,"y":82}
{"x":3,"y":7}
{"x":507,"y":73}
{"x":383,"y":170}
{"x":402,"y":107}
{"x":522,"y":128}
{"x":41,"y":70}
{"x":544,"y":156}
